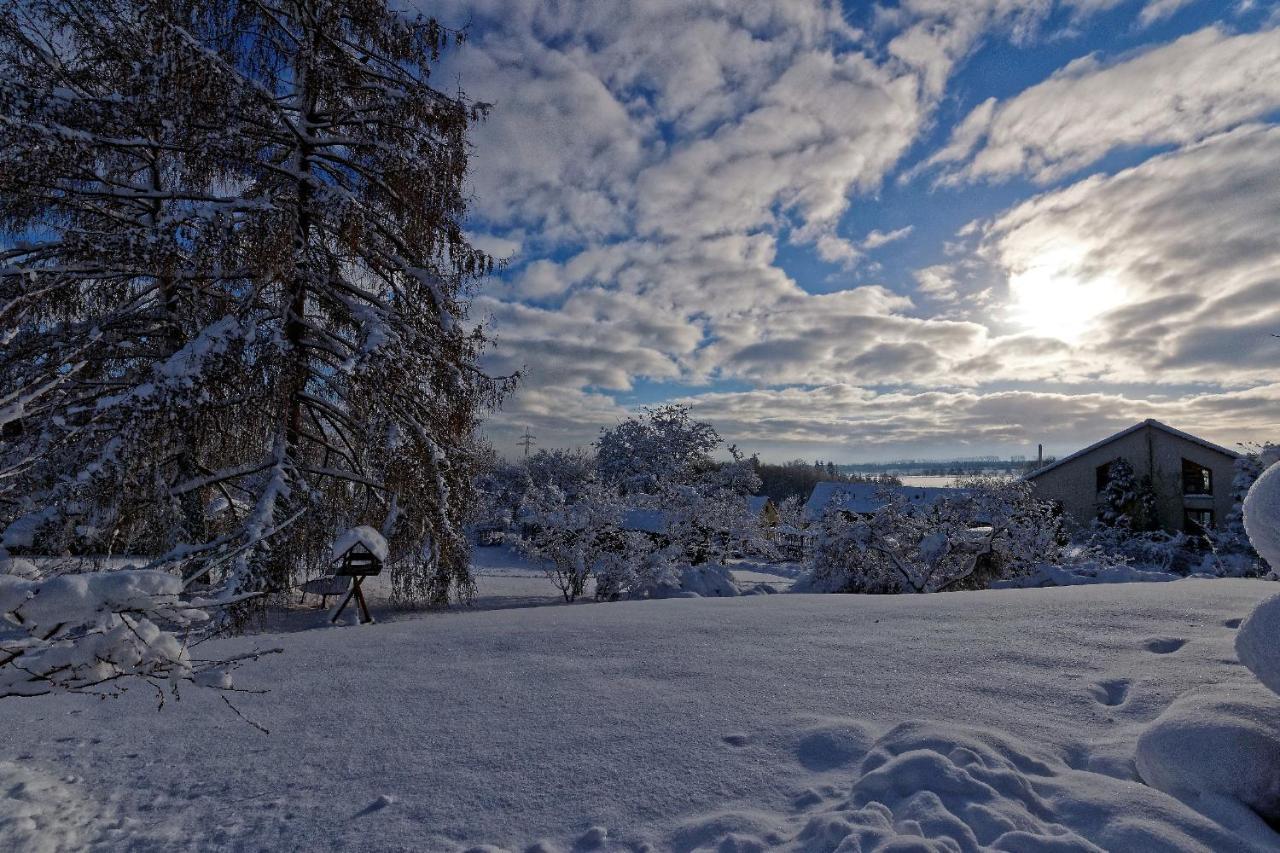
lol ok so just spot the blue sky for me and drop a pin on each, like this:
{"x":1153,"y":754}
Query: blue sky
{"x":920,"y":229}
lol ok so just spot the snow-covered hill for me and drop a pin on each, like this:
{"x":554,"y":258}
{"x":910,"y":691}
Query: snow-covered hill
{"x":1003,"y":718}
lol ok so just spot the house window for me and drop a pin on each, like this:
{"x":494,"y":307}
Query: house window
{"x":1196,"y":479}
{"x":1103,"y":475}
{"x":1196,"y":521}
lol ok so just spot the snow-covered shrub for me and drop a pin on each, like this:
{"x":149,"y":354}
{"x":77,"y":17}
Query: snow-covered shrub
{"x":1153,"y":550}
{"x":629,"y":568}
{"x":571,"y":471}
{"x":709,"y":524}
{"x":96,"y":631}
{"x":988,"y":530}
{"x":572,"y":537}
{"x":639,"y":571}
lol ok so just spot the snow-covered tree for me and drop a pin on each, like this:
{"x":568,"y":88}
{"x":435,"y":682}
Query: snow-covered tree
{"x":236,"y":298}
{"x":660,"y":446}
{"x":989,"y":530}
{"x":502,"y":488}
{"x":365,"y":271}
{"x":573,"y":472}
{"x":1125,"y":503}
{"x":125,"y":309}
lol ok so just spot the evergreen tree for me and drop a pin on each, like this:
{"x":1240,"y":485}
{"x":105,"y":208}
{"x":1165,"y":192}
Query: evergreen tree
{"x":118,"y":288}
{"x":238,"y":286}
{"x":364,"y":265}
{"x":1124,"y":503}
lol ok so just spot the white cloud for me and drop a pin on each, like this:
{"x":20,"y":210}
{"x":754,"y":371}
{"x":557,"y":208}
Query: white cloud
{"x":876,"y":239}
{"x":1158,"y":10}
{"x":1189,"y":245}
{"x":845,"y":422}
{"x":1176,"y":93}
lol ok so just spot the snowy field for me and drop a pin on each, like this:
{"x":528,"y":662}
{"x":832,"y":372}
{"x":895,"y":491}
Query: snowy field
{"x":1004,"y":719}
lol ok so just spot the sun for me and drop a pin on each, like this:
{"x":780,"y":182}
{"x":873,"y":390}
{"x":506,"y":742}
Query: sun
{"x":1052,"y":298}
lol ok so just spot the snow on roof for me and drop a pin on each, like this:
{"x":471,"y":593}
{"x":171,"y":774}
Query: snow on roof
{"x":1149,"y":422}
{"x":757,"y":503}
{"x":362,"y":535}
{"x":864,"y":497}
{"x":644,"y":519}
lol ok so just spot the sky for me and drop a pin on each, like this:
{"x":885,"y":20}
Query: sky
{"x":859,"y":232}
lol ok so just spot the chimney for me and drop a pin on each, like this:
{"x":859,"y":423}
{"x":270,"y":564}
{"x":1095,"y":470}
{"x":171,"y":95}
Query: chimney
{"x":1039,"y":454}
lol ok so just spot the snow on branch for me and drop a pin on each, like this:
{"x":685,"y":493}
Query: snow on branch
{"x":96,"y":631}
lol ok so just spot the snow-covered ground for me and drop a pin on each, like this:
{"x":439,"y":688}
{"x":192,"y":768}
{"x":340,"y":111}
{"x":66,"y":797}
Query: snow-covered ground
{"x":1004,"y":718}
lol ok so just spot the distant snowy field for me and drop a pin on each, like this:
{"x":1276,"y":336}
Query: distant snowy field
{"x":999,"y":719}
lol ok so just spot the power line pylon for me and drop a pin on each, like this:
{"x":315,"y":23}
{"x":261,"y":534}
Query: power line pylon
{"x":527,"y":442}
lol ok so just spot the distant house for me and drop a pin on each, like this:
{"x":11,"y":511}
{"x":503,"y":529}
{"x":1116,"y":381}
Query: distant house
{"x":865,"y":498}
{"x":1190,"y":477}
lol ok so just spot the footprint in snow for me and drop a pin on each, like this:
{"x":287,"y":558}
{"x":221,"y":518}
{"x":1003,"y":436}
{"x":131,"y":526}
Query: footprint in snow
{"x":806,"y":800}
{"x":1232,"y":623}
{"x":377,"y":805}
{"x":1111,"y":692}
{"x":1164,"y":645}
{"x":736,"y":739}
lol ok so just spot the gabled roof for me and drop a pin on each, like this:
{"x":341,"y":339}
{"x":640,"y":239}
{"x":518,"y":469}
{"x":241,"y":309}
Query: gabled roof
{"x":1149,"y":422}
{"x":864,"y":497}
{"x":362,"y":536}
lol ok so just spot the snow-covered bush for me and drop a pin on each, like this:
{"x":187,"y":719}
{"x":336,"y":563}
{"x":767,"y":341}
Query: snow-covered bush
{"x":707,"y":524}
{"x":574,"y":536}
{"x":988,"y":530}
{"x":573,"y":472}
{"x":635,"y":568}
{"x":97,"y":631}
{"x":1153,"y":550}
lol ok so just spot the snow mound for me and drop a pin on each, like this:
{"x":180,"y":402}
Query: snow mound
{"x":1256,"y":643}
{"x":1261,"y":511}
{"x":927,"y":787}
{"x":1083,"y":573}
{"x":19,"y":567}
{"x":704,"y":581}
{"x":833,"y":745}
{"x":362,"y":535}
{"x":1220,"y":752}
{"x":708,"y":581}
